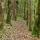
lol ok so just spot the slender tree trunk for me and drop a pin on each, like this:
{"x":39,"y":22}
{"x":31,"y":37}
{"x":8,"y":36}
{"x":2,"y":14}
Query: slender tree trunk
{"x":29,"y":14}
{"x":14,"y":9}
{"x":24,"y":10}
{"x":8,"y":14}
{"x":1,"y":16}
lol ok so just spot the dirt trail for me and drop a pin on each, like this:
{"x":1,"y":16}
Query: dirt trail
{"x":18,"y":31}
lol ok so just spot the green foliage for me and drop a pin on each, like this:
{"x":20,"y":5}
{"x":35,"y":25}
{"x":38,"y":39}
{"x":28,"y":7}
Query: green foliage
{"x":35,"y":31}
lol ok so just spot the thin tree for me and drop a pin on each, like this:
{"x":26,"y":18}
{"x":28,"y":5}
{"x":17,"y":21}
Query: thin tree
{"x":24,"y":10}
{"x":1,"y":17}
{"x":29,"y":13}
{"x":8,"y":20}
{"x":14,"y":9}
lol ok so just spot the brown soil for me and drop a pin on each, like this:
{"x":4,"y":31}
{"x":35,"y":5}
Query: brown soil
{"x":18,"y":31}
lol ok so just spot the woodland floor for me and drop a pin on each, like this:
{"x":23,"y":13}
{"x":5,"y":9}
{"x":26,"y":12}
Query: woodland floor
{"x":18,"y":31}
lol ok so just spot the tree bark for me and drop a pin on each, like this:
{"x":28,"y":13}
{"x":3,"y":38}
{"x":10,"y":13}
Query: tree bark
{"x":29,"y":14}
{"x":1,"y":13}
{"x":14,"y":9}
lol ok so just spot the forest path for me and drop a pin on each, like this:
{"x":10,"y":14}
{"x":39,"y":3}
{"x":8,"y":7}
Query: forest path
{"x":18,"y":31}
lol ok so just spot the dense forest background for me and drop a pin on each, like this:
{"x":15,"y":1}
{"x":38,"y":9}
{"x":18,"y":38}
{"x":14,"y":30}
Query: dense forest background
{"x":20,"y":13}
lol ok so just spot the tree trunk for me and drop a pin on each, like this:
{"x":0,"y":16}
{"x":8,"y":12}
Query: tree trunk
{"x":8,"y":13}
{"x":24,"y":10}
{"x":29,"y":14}
{"x":1,"y":16}
{"x":14,"y":9}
